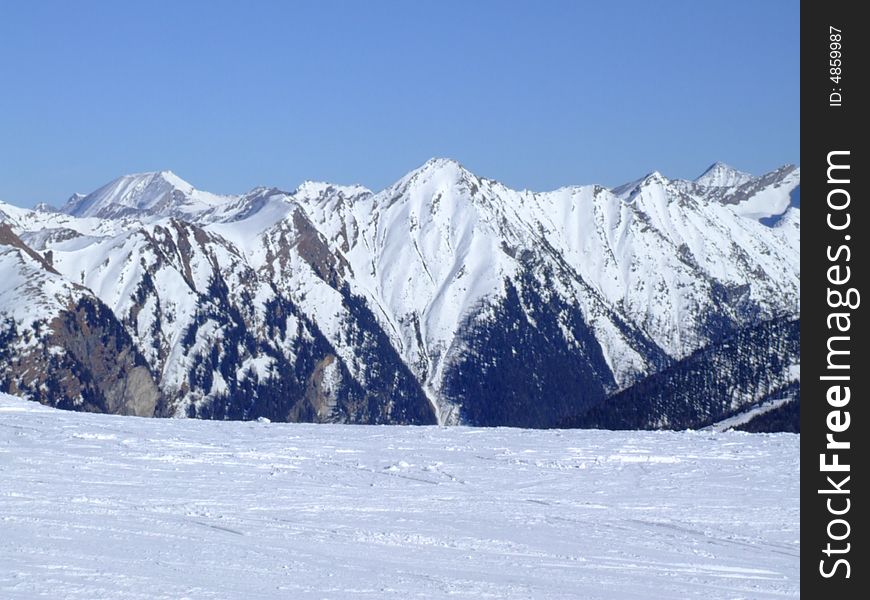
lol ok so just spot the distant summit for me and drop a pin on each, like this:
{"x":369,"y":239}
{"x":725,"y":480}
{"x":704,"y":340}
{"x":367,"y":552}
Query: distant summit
{"x":721,"y":175}
{"x":45,"y":208}
{"x":159,"y":192}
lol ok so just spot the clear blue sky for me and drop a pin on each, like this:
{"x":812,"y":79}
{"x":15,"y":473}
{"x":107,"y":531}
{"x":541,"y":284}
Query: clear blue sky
{"x":231,"y":95}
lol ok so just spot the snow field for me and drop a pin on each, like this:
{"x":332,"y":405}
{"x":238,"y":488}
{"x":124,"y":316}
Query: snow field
{"x":97,"y":506}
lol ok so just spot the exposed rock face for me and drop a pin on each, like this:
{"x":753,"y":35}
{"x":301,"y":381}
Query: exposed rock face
{"x":101,"y":362}
{"x":82,"y":360}
{"x":60,"y":345}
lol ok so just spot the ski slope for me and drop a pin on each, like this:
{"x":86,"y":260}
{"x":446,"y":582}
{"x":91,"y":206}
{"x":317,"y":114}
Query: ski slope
{"x":98,"y":506}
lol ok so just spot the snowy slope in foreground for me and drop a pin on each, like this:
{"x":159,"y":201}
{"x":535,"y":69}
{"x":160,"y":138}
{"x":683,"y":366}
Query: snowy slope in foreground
{"x":98,"y":506}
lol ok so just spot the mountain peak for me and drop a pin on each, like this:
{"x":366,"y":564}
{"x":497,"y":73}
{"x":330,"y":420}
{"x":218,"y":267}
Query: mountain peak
{"x":720,"y":174}
{"x":440,"y":162}
{"x":152,"y":193}
{"x":628,"y":191}
{"x":44,"y":207}
{"x":442,"y":165}
{"x":174,"y":180}
{"x":155,"y":178}
{"x":446,"y":171}
{"x":309,"y":188}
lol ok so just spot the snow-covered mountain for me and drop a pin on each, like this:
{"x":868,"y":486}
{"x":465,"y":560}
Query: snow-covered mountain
{"x":160,"y":193}
{"x":444,"y":296}
{"x":60,"y":343}
{"x":721,"y":175}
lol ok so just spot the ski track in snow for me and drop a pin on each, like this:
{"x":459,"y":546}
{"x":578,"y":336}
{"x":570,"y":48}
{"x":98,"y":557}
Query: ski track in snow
{"x":98,"y":506}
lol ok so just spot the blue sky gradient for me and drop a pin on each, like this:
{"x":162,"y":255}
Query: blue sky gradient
{"x":231,"y":95}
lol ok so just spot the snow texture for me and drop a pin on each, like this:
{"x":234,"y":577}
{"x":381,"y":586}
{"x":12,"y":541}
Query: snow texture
{"x":98,"y":506}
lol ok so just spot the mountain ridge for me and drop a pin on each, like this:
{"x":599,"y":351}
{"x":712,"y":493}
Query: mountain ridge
{"x":409,"y":282}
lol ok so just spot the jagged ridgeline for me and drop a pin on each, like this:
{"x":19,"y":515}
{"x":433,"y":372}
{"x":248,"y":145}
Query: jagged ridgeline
{"x":444,"y":298}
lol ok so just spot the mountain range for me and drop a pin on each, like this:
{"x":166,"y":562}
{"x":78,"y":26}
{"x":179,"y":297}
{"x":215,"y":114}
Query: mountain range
{"x":444,"y":298}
